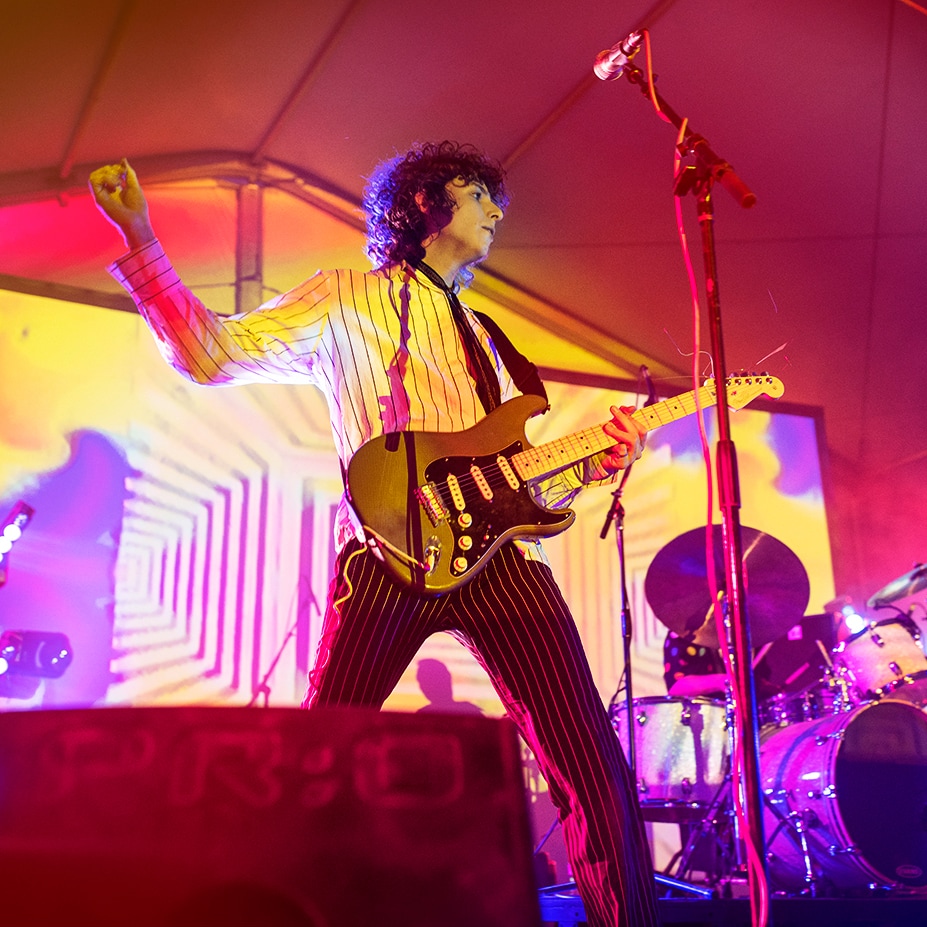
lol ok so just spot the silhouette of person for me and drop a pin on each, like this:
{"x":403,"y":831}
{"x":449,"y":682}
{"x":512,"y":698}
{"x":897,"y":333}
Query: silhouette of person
{"x":434,"y":679}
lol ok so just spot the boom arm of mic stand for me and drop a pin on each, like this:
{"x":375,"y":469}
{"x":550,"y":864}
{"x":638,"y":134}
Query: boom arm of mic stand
{"x":719,"y":170}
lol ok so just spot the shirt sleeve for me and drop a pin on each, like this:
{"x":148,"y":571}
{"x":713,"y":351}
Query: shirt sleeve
{"x":274,"y":343}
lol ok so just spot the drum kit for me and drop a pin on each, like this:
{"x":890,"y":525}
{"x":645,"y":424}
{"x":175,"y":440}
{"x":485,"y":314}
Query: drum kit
{"x":842,"y":732}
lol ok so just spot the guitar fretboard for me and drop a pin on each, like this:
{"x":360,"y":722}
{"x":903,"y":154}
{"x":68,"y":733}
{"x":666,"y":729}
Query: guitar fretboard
{"x":553,"y":456}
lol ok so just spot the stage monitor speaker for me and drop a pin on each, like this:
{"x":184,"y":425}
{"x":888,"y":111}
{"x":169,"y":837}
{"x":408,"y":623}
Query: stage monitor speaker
{"x":179,"y":817}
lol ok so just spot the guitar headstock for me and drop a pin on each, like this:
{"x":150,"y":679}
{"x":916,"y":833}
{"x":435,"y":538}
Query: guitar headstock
{"x":742,"y":388}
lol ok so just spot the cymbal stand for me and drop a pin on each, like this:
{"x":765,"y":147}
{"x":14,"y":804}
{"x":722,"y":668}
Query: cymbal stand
{"x":616,"y":515}
{"x":709,"y":825}
{"x":795,"y":826}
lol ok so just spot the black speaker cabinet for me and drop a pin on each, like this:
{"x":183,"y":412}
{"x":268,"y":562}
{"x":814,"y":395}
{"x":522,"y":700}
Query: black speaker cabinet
{"x":178,"y":817}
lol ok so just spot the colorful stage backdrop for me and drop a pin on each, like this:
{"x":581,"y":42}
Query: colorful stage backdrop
{"x":182,"y":535}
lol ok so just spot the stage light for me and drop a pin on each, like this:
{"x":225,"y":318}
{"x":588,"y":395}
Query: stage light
{"x":12,"y":533}
{"x":845,"y":613}
{"x":35,"y":653}
{"x":853,"y":620}
{"x":11,"y":530}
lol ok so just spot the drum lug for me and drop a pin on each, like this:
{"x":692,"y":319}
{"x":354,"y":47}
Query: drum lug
{"x":822,"y":739}
{"x":834,"y":851}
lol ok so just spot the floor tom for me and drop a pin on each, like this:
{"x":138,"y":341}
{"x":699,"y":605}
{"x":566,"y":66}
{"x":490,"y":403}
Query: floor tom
{"x":682,"y":751}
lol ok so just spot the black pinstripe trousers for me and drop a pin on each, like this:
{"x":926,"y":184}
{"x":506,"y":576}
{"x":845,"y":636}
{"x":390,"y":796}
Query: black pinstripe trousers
{"x":513,"y":619}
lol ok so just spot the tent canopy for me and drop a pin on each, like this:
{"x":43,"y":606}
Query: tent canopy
{"x":819,"y":106}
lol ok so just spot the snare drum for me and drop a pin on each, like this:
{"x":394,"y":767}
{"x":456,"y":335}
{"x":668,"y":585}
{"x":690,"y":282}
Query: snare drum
{"x":682,"y":752}
{"x":854,"y":786}
{"x":882,"y":658}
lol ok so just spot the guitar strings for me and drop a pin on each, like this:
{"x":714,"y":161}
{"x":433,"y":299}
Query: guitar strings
{"x":662,"y":413}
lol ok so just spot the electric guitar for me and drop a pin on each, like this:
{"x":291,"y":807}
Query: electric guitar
{"x":435,"y":506}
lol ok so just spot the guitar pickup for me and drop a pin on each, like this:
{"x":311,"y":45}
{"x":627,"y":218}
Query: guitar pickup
{"x":430,"y":501}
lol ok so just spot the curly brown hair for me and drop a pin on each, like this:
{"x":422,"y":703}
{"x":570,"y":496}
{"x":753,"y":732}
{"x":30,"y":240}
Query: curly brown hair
{"x":396,"y":224}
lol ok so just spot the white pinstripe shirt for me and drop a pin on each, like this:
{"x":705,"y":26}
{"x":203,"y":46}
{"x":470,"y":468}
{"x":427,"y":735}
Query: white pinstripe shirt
{"x":382,"y":346}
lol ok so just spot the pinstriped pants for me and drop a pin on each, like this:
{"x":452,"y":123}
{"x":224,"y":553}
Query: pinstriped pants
{"x":513,"y":619}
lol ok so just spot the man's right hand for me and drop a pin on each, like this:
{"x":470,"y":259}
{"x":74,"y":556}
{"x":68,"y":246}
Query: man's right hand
{"x":119,"y":197}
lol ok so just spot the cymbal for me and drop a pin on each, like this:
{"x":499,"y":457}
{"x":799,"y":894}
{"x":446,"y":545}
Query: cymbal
{"x":912,"y":581}
{"x":775,"y":584}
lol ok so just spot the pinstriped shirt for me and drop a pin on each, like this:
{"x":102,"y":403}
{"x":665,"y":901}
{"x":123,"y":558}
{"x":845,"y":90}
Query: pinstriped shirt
{"x":382,"y":346}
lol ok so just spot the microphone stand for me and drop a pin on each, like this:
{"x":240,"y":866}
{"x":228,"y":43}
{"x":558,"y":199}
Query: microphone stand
{"x":262,"y":689}
{"x":616,"y":515}
{"x":698,"y":180}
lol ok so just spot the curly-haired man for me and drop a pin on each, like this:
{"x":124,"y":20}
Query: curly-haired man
{"x":394,"y":350}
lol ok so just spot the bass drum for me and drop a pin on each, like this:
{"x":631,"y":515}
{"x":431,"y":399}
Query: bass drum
{"x":857,"y":785}
{"x":681,"y":752}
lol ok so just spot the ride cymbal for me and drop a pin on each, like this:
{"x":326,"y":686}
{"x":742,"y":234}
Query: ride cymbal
{"x":775,"y":584}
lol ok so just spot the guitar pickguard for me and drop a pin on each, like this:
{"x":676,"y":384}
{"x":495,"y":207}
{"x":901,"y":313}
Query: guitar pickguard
{"x":480,"y":499}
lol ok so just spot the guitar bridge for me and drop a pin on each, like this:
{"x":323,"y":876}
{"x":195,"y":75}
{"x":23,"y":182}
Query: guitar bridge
{"x":430,"y":501}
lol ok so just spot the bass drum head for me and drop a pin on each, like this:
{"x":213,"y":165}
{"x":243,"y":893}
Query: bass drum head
{"x":881,"y":783}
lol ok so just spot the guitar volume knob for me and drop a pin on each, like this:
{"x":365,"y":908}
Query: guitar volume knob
{"x":460,"y":564}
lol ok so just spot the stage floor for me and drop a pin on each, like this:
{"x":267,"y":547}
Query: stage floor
{"x":566,"y":910}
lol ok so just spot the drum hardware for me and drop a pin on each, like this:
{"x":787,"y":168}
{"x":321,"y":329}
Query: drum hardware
{"x":715,"y":825}
{"x":829,"y":695}
{"x":842,"y":851}
{"x":819,"y":741}
{"x":793,"y":821}
{"x":908,"y":584}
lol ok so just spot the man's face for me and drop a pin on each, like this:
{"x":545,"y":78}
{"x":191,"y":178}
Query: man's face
{"x":469,"y":234}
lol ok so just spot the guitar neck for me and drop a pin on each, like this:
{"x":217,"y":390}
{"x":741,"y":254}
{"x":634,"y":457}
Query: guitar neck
{"x":553,"y":456}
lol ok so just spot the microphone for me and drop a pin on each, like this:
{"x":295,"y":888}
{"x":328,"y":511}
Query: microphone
{"x":651,"y":389}
{"x":610,"y":64}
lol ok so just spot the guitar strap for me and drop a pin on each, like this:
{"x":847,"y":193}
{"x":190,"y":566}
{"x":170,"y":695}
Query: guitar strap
{"x":487,"y":383}
{"x":524,"y":374}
